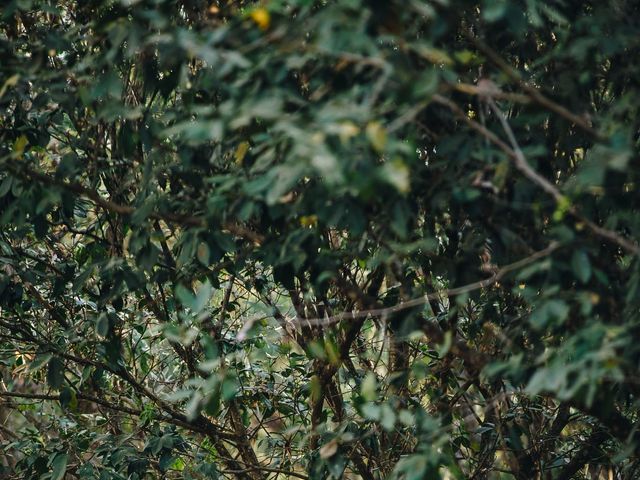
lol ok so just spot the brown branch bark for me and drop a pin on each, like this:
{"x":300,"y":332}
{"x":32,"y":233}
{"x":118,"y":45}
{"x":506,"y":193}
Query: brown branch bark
{"x":534,"y":93}
{"x":95,"y":197}
{"x":523,"y":166}
{"x":384,"y":312}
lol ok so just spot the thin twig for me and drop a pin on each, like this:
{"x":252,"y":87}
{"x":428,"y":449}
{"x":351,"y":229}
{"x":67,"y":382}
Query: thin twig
{"x":95,"y":197}
{"x":384,"y":312}
{"x":523,"y":166}
{"x":520,"y":160}
{"x":499,"y":95}
{"x":534,"y":93}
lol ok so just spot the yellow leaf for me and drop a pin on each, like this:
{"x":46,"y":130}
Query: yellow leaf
{"x":501,"y":174}
{"x":564,"y":206}
{"x":377,"y":135}
{"x":434,"y":55}
{"x":9,"y":82}
{"x":332,"y":352}
{"x":328,"y":450}
{"x":309,"y":220}
{"x":262,"y":18}
{"x":315,"y":389}
{"x":368,"y":388}
{"x":347,"y":130}
{"x":317,"y":138}
{"x":465,"y":56}
{"x":241,"y":151}
{"x":19,"y":145}
{"x":397,"y":174}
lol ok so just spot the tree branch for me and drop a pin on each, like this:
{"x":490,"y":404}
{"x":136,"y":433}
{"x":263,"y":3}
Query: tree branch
{"x":534,"y":93}
{"x":95,"y":197}
{"x":415,"y":302}
{"x":522,"y":165}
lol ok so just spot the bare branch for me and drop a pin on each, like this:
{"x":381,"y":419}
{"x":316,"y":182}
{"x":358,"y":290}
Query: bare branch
{"x":533,"y":92}
{"x":386,"y":311}
{"x":523,"y":166}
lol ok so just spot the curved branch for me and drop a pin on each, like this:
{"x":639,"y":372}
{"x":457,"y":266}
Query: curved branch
{"x":422,"y":300}
{"x":523,"y":166}
{"x":109,"y":205}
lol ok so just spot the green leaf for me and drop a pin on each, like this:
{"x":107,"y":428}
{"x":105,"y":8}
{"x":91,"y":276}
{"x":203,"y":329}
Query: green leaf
{"x":166,"y":461}
{"x":203,"y":253}
{"x":371,"y":411}
{"x":377,"y":135}
{"x":19,"y":146}
{"x":550,"y":313}
{"x":230,"y":387}
{"x":387,"y":417}
{"x":337,"y":465}
{"x":68,"y":398}
{"x":397,"y":174}
{"x":194,"y":406}
{"x":406,"y":418}
{"x":8,"y":83}
{"x":102,"y":325}
{"x":55,"y":373}
{"x":369,"y":387}
{"x":40,"y":361}
{"x":5,"y":186}
{"x":202,"y":298}
{"x":184,"y":295}
{"x":59,"y":466}
{"x":581,"y":265}
{"x":493,"y":10}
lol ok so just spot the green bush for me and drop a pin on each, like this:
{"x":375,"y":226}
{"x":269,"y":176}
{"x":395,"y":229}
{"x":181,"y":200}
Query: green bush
{"x":319,"y":239}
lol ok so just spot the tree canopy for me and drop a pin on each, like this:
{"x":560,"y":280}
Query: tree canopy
{"x":319,"y":239}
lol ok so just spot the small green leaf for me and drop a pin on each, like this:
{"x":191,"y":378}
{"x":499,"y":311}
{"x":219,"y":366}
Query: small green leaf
{"x":229,"y":388}
{"x":406,"y":418}
{"x":166,"y":460}
{"x":443,"y":349}
{"x":102,"y":325}
{"x":397,"y":174}
{"x":68,"y":398}
{"x":59,"y":466}
{"x":581,"y":265}
{"x":19,"y":146}
{"x":494,"y":10}
{"x":202,"y":298}
{"x":40,"y":361}
{"x":564,"y":205}
{"x":5,"y":186}
{"x":368,"y":387}
{"x":464,"y":56}
{"x":184,"y":295}
{"x":55,"y":373}
{"x":203,"y":253}
{"x":194,"y":406}
{"x":387,"y":417}
{"x":551,"y":313}
{"x":9,"y":82}
{"x":371,"y":411}
{"x":434,"y":55}
{"x":377,"y":135}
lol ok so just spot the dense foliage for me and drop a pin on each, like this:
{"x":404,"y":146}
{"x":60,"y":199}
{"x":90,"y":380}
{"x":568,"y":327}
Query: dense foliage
{"x":319,"y":239}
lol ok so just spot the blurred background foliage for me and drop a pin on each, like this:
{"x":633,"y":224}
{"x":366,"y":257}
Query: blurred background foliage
{"x":319,"y":239}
